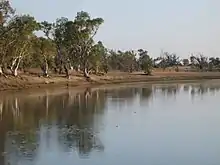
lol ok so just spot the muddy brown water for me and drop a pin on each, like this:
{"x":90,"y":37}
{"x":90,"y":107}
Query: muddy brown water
{"x":166,"y":124}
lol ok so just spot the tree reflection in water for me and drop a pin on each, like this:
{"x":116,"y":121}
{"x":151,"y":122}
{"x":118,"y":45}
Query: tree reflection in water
{"x":32,"y":125}
{"x":24,"y":118}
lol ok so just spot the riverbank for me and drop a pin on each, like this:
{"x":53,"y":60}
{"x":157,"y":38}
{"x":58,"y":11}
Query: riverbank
{"x":26,"y":81}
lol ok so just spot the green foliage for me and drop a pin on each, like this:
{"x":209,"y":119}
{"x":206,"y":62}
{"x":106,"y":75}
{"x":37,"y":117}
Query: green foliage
{"x":123,"y":60}
{"x":98,"y":57}
{"x":6,"y":11}
{"x":146,"y":62}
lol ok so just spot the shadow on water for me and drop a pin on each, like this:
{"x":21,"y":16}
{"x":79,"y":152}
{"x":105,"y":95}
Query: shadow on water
{"x":70,"y":122}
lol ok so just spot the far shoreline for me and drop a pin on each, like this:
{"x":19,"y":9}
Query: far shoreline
{"x":35,"y":82}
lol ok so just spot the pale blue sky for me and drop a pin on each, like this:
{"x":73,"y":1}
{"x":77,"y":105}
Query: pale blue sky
{"x":180,"y":26}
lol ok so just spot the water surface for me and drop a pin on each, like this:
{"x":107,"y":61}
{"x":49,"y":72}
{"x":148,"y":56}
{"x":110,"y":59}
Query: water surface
{"x":175,"y":124}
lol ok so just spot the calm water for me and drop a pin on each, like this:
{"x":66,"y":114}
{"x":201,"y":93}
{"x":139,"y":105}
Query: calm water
{"x":176,"y":124}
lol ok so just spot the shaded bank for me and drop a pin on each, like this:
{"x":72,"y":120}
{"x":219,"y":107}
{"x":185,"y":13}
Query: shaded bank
{"x":30,"y":81}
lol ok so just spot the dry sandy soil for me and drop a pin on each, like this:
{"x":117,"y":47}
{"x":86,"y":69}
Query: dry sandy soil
{"x":28,"y":80}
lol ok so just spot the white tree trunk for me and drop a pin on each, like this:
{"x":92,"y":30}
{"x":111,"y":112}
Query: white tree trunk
{"x":97,"y":69}
{"x":86,"y":73}
{"x":1,"y":71}
{"x":78,"y":68}
{"x":15,"y":66}
{"x":15,"y":72}
{"x":45,"y":67}
{"x":1,"y":109}
{"x":45,"y":70}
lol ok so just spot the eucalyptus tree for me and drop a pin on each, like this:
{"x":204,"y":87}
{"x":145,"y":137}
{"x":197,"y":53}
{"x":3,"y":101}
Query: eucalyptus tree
{"x":21,"y":35}
{"x":199,"y":61}
{"x":57,"y":34}
{"x":172,"y":60}
{"x":128,"y":61}
{"x":74,"y":41}
{"x":80,"y":38}
{"x":6,"y":13}
{"x":114,"y":61}
{"x":43,"y":54}
{"x":62,"y":57}
{"x":98,"y":57}
{"x":214,"y":63}
{"x":48,"y":47}
{"x":146,"y":61}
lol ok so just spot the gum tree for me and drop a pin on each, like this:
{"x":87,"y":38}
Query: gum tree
{"x":80,"y":38}
{"x":22,"y":35}
{"x":6,"y":13}
{"x":146,"y":62}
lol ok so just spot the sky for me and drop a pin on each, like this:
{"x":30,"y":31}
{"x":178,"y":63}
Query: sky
{"x":176,"y":26}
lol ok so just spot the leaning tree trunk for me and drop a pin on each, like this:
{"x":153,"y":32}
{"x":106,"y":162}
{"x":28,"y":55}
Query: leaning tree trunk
{"x":15,"y":66}
{"x":86,"y":73}
{"x":85,"y":70}
{"x":15,"y":72}
{"x":1,"y":71}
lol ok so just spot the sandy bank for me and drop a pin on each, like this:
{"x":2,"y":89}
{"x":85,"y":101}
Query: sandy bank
{"x":31,"y":81}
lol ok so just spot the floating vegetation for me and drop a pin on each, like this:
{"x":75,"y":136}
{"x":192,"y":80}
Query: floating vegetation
{"x":84,"y":139}
{"x":25,"y":144}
